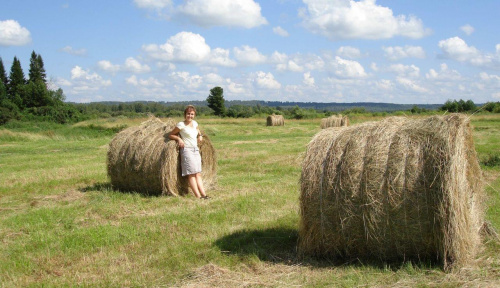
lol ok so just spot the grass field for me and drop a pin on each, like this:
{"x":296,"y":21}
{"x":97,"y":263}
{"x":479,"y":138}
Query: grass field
{"x":61,"y":223}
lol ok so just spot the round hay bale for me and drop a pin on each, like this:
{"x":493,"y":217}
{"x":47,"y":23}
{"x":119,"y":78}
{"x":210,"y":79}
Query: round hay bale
{"x":275,"y":120}
{"x":143,"y":159}
{"x":334,"y":121}
{"x":392,"y":190}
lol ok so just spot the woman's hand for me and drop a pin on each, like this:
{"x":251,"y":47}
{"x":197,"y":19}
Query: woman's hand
{"x":180,"y":143}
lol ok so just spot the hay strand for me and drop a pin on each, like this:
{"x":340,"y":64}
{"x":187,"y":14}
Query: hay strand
{"x":143,"y":159}
{"x":394,"y":189}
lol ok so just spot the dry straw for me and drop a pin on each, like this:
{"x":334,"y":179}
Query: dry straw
{"x":275,"y":120}
{"x":334,"y":121}
{"x":393,"y":190}
{"x":145,"y":160}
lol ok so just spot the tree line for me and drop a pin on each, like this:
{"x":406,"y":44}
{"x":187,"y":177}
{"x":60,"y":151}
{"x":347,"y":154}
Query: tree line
{"x":30,"y":98}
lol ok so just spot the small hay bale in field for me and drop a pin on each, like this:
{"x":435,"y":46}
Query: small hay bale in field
{"x":392,"y":190}
{"x":275,"y":120}
{"x":334,"y":121}
{"x":145,"y":160}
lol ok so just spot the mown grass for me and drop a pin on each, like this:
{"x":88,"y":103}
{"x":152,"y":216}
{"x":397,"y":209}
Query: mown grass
{"x":61,"y":224}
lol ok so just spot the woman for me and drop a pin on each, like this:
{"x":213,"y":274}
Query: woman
{"x":187,"y":134}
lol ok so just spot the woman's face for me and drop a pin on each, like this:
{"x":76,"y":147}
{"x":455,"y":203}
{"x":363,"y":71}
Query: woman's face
{"x":189,"y":115}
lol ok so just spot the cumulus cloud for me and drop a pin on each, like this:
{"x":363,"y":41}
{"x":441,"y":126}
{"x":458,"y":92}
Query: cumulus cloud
{"x":444,"y":74}
{"x":220,"y":57}
{"x":107,"y":66}
{"x":410,"y":85}
{"x":12,"y":34}
{"x":348,"y":19}
{"x":266,"y":80}
{"x":134,"y":66}
{"x":347,"y":68}
{"x":184,"y":47}
{"x":130,"y":65}
{"x":349,"y":52}
{"x":72,"y":51}
{"x":280,"y":31}
{"x":208,"y":13}
{"x":248,"y":55}
{"x":308,"y":80}
{"x":398,"y":52}
{"x":411,"y":71}
{"x":467,"y":29}
{"x":457,"y":49}
{"x":84,"y":81}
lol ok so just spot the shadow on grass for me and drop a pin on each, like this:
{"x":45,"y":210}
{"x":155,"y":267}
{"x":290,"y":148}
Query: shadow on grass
{"x":274,"y":245}
{"x":279,"y":245}
{"x":106,"y":187}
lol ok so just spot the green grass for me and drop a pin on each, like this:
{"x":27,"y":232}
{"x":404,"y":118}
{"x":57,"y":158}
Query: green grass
{"x":61,"y":224}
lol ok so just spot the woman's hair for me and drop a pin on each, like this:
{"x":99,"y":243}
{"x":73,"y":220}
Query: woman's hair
{"x":189,"y":108}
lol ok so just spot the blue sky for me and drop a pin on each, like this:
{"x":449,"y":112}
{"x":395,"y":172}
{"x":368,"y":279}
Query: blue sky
{"x":404,"y":51}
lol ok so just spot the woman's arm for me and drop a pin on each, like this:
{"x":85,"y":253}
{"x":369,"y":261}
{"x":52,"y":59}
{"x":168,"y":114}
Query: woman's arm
{"x":174,"y":135}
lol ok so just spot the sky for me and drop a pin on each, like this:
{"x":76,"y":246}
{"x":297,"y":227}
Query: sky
{"x":343,"y":51}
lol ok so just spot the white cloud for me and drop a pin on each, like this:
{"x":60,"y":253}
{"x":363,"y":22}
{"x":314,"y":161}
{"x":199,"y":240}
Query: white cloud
{"x":496,"y":95}
{"x":107,"y":66}
{"x":487,"y":77}
{"x":308,"y":80}
{"x":280,"y":31}
{"x":347,"y":19}
{"x":455,"y":48}
{"x":208,"y":13}
{"x":76,"y":52}
{"x":12,"y":34}
{"x":266,"y":80}
{"x":220,"y":57}
{"x":445,"y":74}
{"x":132,"y":80}
{"x":349,"y":52}
{"x":405,"y":70}
{"x":248,"y":55}
{"x":183,"y":47}
{"x":134,"y":66}
{"x":385,"y":84}
{"x":347,"y":68}
{"x":398,"y":52}
{"x":467,"y":29}
{"x":411,"y":85}
{"x":84,"y":81}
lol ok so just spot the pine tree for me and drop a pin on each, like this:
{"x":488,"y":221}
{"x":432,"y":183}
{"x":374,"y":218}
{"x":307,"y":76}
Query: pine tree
{"x":17,"y":81}
{"x":37,"y":71}
{"x":216,"y":101}
{"x":3,"y":74}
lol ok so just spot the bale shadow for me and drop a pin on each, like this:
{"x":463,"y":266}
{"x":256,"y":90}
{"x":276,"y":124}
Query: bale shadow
{"x":106,"y":187}
{"x":279,"y":245}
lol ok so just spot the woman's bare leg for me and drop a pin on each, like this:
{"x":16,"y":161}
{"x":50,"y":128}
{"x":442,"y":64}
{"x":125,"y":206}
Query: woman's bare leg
{"x":199,"y":182}
{"x":194,"y":185}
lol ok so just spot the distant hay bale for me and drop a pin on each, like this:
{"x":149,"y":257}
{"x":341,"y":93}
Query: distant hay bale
{"x":334,"y":121}
{"x":145,"y":160}
{"x":275,"y":120}
{"x":392,"y":190}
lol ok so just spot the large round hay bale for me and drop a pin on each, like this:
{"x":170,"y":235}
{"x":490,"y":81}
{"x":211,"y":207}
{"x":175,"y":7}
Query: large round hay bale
{"x":334,"y":121}
{"x":143,"y":159}
{"x":275,"y":120}
{"x":393,"y":190}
